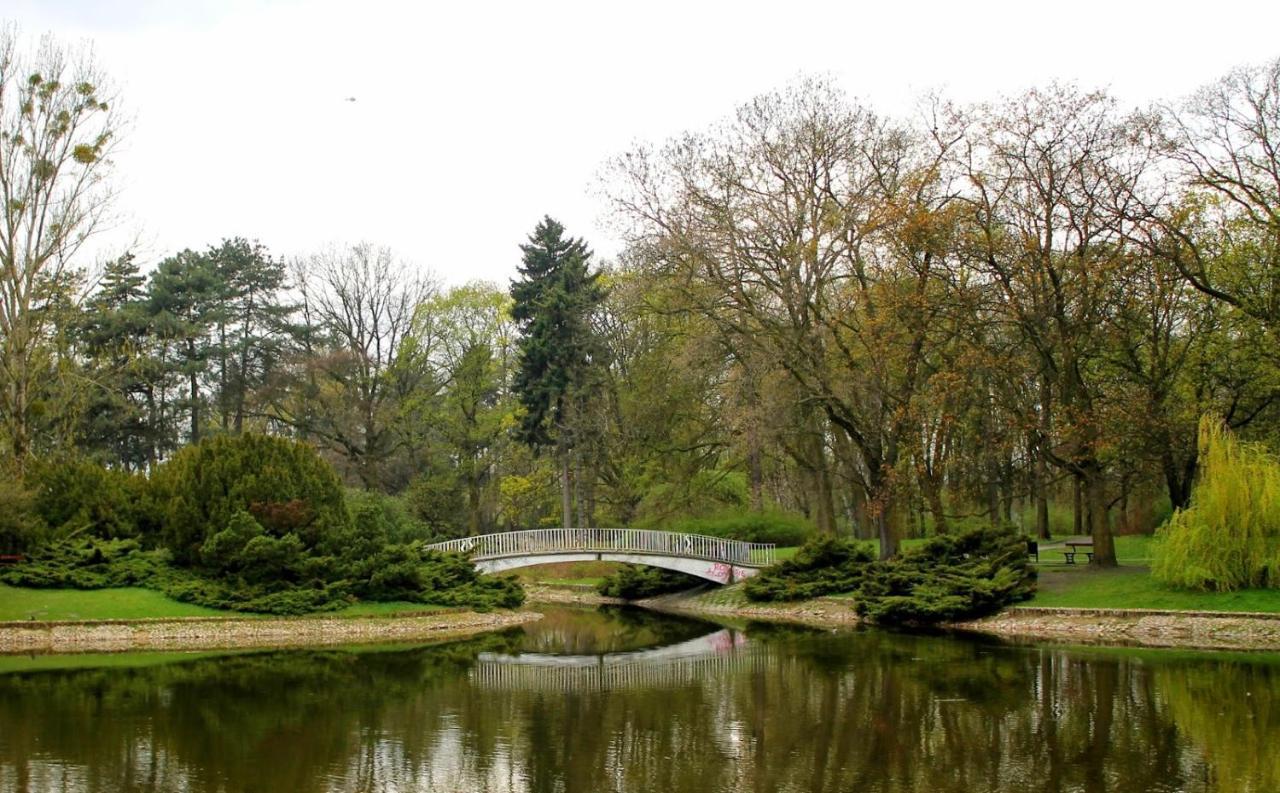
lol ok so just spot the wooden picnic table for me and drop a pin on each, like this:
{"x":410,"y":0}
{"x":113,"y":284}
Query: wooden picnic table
{"x":1075,"y":547}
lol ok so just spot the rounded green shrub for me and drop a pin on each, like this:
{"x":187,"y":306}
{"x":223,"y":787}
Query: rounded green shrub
{"x":634,"y":582}
{"x":285,"y":486}
{"x":73,"y":495}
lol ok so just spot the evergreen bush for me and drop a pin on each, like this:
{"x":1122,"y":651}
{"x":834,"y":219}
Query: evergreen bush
{"x":284,"y":485}
{"x":950,"y":578}
{"x":823,"y":566}
{"x":1229,"y":536}
{"x":73,"y":495}
{"x":634,"y":582}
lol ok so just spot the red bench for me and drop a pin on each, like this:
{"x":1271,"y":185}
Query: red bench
{"x":12,"y":558}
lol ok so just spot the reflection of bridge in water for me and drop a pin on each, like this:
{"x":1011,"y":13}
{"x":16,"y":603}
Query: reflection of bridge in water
{"x":674,"y":665}
{"x":713,"y":558}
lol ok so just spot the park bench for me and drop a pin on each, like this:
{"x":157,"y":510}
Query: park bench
{"x":12,"y":558}
{"x":1075,"y":548}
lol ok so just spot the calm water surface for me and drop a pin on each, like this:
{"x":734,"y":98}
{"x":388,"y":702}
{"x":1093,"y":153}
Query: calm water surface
{"x":625,"y":700}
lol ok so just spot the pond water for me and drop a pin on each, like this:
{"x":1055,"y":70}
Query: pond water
{"x":625,"y":700}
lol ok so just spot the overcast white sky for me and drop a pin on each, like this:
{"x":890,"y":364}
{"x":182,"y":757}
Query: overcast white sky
{"x":473,"y":120}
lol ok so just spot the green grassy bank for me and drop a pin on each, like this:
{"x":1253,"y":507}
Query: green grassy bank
{"x":132,"y":603}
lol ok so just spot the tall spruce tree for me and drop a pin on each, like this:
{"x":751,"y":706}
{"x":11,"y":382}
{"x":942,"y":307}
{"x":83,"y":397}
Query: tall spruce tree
{"x":553,"y":301}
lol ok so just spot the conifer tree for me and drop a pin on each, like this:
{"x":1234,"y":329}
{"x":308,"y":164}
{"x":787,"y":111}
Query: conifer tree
{"x":554,"y":299}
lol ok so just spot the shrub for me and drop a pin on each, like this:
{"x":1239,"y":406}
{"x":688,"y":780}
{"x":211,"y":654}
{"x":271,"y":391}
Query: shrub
{"x":823,"y":566}
{"x":87,"y":563}
{"x":20,"y":528}
{"x":1229,"y":536}
{"x":73,"y":495}
{"x":634,"y":582}
{"x":392,"y":513}
{"x":286,"y":486}
{"x":780,"y":528}
{"x":436,"y":500}
{"x":949,"y":578}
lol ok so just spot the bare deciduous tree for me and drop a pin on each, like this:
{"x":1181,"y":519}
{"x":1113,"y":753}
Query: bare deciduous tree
{"x":58,"y":127}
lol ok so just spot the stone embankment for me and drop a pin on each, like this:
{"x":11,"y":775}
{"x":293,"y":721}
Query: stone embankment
{"x":219,"y":633}
{"x":823,"y":612}
{"x":568,"y":594}
{"x":1213,"y":630}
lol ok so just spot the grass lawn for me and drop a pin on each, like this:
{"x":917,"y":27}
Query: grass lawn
{"x":383,"y":609}
{"x":98,"y":604}
{"x":136,"y":603}
{"x":1131,"y":586}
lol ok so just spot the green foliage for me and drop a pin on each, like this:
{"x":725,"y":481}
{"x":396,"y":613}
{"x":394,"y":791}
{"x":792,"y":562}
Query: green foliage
{"x":87,"y":563}
{"x":73,"y":495}
{"x":552,"y":301}
{"x":393,"y":513}
{"x":949,"y":578}
{"x":253,"y":524}
{"x":284,"y":485}
{"x":436,"y":500}
{"x":823,"y":566}
{"x":634,"y":582}
{"x":780,"y":528}
{"x":1229,"y":536}
{"x":20,"y":529}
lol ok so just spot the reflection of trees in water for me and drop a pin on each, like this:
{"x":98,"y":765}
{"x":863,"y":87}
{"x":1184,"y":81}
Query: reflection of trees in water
{"x":264,"y":721}
{"x":1231,"y":713}
{"x":872,"y":711}
{"x":577,"y":631}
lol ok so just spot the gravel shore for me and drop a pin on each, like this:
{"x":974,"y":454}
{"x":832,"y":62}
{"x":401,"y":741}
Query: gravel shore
{"x":1212,"y":630}
{"x":1135,"y":627}
{"x":218,"y":633}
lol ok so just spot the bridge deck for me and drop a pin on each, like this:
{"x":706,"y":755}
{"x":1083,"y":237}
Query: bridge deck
{"x":640,"y":541}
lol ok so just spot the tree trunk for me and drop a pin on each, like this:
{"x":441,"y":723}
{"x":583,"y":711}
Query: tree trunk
{"x":886,"y":515}
{"x":755,"y":472}
{"x":1041,"y":477}
{"x":566,"y":502}
{"x":933,"y":494}
{"x":1104,"y":551}
{"x":222,"y":376}
{"x":577,"y":489}
{"x":473,"y":502}
{"x":1077,"y":507}
{"x":1178,"y":479}
{"x":590,"y":501}
{"x":1041,"y":472}
{"x":195,"y":393}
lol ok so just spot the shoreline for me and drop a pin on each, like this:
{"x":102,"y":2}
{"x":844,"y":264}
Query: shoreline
{"x":1154,"y":628}
{"x":230,"y":633}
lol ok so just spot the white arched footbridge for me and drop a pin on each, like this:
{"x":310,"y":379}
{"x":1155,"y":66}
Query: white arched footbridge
{"x":713,"y":558}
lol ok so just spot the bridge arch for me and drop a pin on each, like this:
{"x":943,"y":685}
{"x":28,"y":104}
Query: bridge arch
{"x":711,"y":558}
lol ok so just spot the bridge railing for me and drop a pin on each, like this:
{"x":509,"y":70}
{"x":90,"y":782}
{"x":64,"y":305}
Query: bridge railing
{"x":667,"y":543}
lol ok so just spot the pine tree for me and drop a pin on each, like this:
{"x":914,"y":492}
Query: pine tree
{"x":553,"y":303}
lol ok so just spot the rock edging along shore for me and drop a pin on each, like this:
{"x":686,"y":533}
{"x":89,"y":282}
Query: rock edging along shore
{"x":1213,"y":630}
{"x":823,"y":612}
{"x":219,"y":633}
